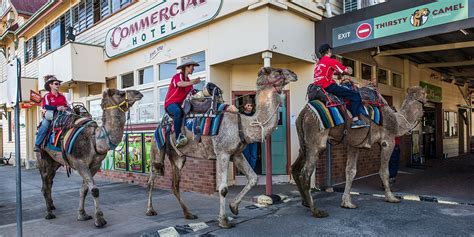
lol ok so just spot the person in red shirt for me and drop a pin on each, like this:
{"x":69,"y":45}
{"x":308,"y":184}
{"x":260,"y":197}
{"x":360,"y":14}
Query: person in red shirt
{"x":179,"y":88}
{"x":323,"y":77}
{"x":53,"y":101}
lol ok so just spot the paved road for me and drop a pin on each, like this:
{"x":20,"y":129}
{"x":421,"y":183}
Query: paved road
{"x":124,"y":206}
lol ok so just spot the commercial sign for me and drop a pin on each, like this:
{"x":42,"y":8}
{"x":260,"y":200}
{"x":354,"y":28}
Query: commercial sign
{"x":434,"y":93}
{"x":433,"y":14}
{"x":166,"y":18}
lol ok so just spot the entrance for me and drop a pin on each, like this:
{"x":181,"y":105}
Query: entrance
{"x":431,"y":139}
{"x":279,"y":138}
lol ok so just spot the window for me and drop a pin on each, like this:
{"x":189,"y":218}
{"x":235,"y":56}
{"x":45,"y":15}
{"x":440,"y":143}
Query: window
{"x":118,"y":4}
{"x":146,"y":108}
{"x":56,"y":35}
{"x":450,"y":124}
{"x":10,"y":126}
{"x":161,"y":104}
{"x":96,"y":111}
{"x":199,"y":58}
{"x":366,"y":72}
{"x":397,"y":80}
{"x":145,"y":76}
{"x":127,"y":80}
{"x":349,"y":63}
{"x":167,"y":70}
{"x":382,"y":76}
{"x":29,"y":54}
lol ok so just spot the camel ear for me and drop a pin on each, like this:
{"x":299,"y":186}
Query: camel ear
{"x":109,"y":93}
{"x":265,"y":71}
{"x":410,"y":90}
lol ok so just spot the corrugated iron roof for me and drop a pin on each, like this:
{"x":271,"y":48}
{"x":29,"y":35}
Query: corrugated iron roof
{"x":27,"y":6}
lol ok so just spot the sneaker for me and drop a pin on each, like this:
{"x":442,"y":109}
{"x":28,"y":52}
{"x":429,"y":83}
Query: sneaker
{"x":37,"y":148}
{"x":359,"y":124}
{"x":181,"y":141}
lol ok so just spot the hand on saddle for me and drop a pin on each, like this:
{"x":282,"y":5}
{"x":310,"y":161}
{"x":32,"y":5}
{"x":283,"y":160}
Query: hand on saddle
{"x":62,"y":108}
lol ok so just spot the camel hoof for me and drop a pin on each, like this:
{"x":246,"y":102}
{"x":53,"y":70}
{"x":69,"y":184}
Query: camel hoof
{"x":320,"y":214}
{"x":225,"y":223}
{"x":190,"y":216}
{"x":151,"y":212}
{"x":234,"y":209}
{"x":84,"y":217}
{"x":100,"y":222}
{"x":348,"y":205}
{"x":49,"y":216}
{"x":392,"y":200}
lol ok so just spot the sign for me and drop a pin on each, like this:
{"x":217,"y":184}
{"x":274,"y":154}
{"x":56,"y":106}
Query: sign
{"x":35,"y":96}
{"x":424,"y":16}
{"x":434,"y":93}
{"x":27,"y":105}
{"x":166,"y":18}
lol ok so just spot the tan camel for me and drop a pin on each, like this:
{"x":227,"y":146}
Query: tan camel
{"x":227,"y":145}
{"x":91,"y":147}
{"x":313,"y":140}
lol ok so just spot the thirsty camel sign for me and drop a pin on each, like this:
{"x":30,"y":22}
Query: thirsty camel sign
{"x":166,"y":18}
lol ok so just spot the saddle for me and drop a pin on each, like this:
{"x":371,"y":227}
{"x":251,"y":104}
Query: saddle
{"x":203,"y":103}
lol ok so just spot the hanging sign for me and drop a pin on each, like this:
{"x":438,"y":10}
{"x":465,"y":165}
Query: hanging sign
{"x":166,"y":18}
{"x":35,"y":96}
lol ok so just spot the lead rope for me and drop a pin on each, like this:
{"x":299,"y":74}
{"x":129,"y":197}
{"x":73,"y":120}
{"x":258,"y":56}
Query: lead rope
{"x":260,"y":124}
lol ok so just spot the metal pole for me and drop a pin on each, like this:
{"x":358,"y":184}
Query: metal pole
{"x":268,"y":165}
{"x":19,"y":214}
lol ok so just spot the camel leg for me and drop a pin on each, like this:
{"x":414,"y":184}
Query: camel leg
{"x":244,"y":166}
{"x":351,"y":170}
{"x":222,"y":166}
{"x":87,"y":178}
{"x":305,"y":179}
{"x":177,"y":163}
{"x":47,"y":168}
{"x":296,"y":172}
{"x":81,"y":213}
{"x":150,"y":211}
{"x":387,"y":149}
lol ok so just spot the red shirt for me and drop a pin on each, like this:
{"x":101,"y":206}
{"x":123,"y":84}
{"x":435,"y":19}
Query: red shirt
{"x":53,"y":100}
{"x":176,"y":94}
{"x":325,"y":70}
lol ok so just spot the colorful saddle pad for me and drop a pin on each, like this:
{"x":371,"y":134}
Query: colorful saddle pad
{"x":71,"y":135}
{"x":334,"y":116}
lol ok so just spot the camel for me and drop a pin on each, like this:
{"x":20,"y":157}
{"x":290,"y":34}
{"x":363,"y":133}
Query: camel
{"x":313,"y":140}
{"x":227,"y":145}
{"x":91,"y":147}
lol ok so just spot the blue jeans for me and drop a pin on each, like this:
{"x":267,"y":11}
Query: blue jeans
{"x":394,"y":162}
{"x":175,"y":111}
{"x":356,"y":107}
{"x":43,"y":129}
{"x":250,"y":153}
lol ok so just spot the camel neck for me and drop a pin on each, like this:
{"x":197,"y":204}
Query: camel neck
{"x":411,"y":110}
{"x":114,"y":122}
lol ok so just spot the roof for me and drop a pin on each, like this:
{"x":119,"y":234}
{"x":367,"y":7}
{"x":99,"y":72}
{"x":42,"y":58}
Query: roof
{"x":27,"y":7}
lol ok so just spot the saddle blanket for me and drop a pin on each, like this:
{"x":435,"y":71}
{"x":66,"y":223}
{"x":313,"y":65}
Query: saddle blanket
{"x":65,"y":139}
{"x":203,"y":126}
{"x":334,"y":116}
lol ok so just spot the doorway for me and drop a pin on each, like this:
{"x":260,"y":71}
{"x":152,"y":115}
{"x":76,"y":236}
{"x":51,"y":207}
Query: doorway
{"x":432,"y":131}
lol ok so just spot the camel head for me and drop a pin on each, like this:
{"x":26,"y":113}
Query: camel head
{"x":416,"y":97}
{"x":275,"y":77}
{"x":119,"y":99}
{"x":417,"y":93}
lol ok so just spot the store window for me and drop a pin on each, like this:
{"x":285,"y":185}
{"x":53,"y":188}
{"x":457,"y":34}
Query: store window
{"x":127,"y":80}
{"x":366,"y":72}
{"x":145,"y":76}
{"x":161,"y":104}
{"x":96,"y":111}
{"x":167,"y":70}
{"x":146,"y":108}
{"x":382,"y":76}
{"x":397,"y":80}
{"x":450,"y":125}
{"x":200,"y":58}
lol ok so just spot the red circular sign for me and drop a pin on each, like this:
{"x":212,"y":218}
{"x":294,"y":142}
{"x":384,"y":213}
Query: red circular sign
{"x":364,"y":30}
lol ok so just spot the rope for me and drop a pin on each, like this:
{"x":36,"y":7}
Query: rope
{"x":410,"y":124}
{"x":260,"y":124}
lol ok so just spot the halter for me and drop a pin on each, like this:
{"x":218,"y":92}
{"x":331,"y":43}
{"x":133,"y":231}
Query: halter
{"x":274,"y":84}
{"x":122,"y":104}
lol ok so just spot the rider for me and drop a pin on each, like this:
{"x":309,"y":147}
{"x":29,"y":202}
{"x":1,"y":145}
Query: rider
{"x":53,"y":101}
{"x":323,"y":77}
{"x":179,"y":88}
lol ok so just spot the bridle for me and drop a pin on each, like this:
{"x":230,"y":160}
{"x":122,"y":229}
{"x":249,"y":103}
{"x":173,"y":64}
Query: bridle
{"x":123,"y":106}
{"x":278,"y":87}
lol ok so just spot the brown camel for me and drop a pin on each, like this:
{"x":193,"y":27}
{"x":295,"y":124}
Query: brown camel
{"x":227,"y":145}
{"x":313,"y":140}
{"x":91,"y":147}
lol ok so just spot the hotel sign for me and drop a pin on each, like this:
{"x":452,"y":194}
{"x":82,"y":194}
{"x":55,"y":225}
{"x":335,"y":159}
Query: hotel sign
{"x":433,"y":14}
{"x":166,"y":18}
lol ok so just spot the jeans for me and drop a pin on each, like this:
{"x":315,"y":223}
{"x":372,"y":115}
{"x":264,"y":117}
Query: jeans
{"x":175,"y":111}
{"x":250,"y":153}
{"x":394,"y":162}
{"x":43,"y":129}
{"x":353,"y":96}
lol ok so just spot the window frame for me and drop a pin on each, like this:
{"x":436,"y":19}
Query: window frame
{"x":362,"y":71}
{"x":387,"y":75}
{"x":392,"y":79}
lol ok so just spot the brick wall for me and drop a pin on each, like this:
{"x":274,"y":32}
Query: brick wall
{"x":197,"y":176}
{"x":368,"y":163}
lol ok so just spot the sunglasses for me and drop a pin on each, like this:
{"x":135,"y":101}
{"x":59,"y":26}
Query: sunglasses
{"x":56,"y":83}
